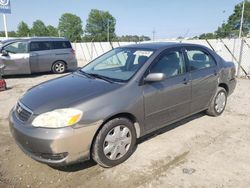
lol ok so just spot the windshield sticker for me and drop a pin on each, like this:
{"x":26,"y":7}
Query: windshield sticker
{"x":143,"y":53}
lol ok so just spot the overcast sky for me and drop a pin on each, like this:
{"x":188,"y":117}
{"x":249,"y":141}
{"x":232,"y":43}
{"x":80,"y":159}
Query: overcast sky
{"x":168,"y":18}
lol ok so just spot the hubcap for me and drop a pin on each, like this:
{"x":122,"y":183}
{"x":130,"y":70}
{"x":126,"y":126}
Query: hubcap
{"x":117,"y":142}
{"x":60,"y":67}
{"x":220,"y":102}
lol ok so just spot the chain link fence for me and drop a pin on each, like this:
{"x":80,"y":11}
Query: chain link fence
{"x":235,"y":50}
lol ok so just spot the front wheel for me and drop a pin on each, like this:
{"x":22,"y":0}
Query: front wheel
{"x":218,"y":103}
{"x":114,"y":143}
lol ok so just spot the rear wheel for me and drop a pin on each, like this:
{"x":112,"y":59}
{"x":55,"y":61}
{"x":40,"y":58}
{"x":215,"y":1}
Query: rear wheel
{"x":114,"y":143}
{"x":218,"y":103}
{"x":59,"y":67}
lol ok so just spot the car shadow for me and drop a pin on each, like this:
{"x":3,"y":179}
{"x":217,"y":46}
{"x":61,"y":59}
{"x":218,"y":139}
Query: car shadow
{"x":34,"y":75}
{"x":169,"y":127}
{"x":76,"y":167}
{"x":90,"y":163}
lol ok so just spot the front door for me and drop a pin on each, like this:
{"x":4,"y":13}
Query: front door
{"x":204,"y":77}
{"x":168,"y":100}
{"x":17,"y":59}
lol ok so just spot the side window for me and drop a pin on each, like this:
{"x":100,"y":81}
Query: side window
{"x":61,"y":44}
{"x":199,"y":60}
{"x":40,"y":46}
{"x":171,"y":64}
{"x":17,"y":47}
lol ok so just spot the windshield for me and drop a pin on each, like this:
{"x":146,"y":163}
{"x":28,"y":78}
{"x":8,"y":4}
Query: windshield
{"x":119,"y":64}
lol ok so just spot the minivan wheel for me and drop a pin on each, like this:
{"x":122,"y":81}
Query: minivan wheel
{"x":218,"y":103}
{"x":59,"y":67}
{"x":114,"y":143}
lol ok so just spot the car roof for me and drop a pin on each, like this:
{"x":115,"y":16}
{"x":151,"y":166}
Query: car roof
{"x":34,"y":39}
{"x":160,"y":45}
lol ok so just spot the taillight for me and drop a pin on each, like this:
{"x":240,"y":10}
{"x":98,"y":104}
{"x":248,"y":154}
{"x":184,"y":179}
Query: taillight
{"x":73,"y":51}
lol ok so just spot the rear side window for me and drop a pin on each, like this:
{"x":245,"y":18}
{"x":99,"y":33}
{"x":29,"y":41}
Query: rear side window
{"x":61,"y":44}
{"x":40,"y":46}
{"x":199,"y":59}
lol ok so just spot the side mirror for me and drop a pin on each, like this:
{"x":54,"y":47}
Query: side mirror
{"x":155,"y":77}
{"x":5,"y":53}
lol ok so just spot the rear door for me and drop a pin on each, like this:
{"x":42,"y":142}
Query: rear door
{"x":64,"y":52}
{"x":204,"y":77}
{"x":17,"y":60}
{"x":42,"y":56}
{"x":168,"y":100}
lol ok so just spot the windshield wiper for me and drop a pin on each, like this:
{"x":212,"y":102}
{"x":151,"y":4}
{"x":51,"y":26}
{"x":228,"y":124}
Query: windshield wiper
{"x":85,"y":74}
{"x":101,"y":77}
{"x":93,"y":75}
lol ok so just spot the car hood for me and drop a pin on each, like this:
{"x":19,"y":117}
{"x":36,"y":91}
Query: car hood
{"x":64,"y":92}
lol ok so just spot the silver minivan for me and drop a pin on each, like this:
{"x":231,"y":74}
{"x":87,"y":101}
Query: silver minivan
{"x":32,"y":55}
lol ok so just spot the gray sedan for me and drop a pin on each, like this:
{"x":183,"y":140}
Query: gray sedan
{"x":102,"y":109}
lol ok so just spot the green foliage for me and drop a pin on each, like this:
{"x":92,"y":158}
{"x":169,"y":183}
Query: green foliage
{"x":23,"y":30}
{"x":70,"y":26}
{"x":39,"y":29}
{"x":231,"y":28}
{"x":207,"y":36}
{"x":97,"y":26}
{"x":52,"y":31}
{"x":10,"y":34}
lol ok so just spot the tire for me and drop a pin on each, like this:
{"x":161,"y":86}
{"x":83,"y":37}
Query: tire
{"x":218,"y":103}
{"x":59,"y":67}
{"x":107,"y":138}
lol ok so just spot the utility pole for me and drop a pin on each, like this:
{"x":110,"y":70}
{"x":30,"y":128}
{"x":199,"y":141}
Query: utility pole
{"x":5,"y":26}
{"x":242,"y":18}
{"x":153,"y":32}
{"x":240,"y":37}
{"x":108,"y":31}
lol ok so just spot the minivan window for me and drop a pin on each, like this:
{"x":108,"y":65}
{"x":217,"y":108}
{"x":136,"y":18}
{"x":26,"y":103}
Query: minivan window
{"x":61,"y":44}
{"x":199,"y":60}
{"x":171,"y":64}
{"x":17,"y":47}
{"x":40,"y":46}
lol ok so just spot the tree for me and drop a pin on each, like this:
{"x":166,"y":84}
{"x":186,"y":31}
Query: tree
{"x":52,"y":31}
{"x":70,"y":26}
{"x":39,"y":29}
{"x":23,"y":30}
{"x":10,"y":34}
{"x":232,"y":26}
{"x":99,"y":24}
{"x":207,"y":36}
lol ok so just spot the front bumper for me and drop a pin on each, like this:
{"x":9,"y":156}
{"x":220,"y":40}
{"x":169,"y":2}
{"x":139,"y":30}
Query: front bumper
{"x":55,"y":147}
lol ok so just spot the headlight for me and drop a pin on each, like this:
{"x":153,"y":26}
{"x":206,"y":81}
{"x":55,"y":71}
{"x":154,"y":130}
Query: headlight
{"x":58,"y":118}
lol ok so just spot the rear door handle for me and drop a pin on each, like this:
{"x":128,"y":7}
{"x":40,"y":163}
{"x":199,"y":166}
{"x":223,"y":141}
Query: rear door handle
{"x":185,"y":81}
{"x":215,"y":72}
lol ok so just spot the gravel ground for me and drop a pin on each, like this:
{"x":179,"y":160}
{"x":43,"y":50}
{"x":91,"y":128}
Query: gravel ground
{"x":200,"y":151}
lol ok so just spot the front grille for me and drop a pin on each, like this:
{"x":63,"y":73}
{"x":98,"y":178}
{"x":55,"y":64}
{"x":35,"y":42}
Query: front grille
{"x":22,"y":112}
